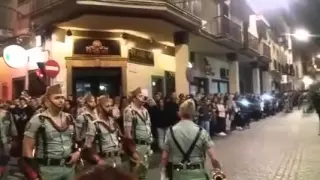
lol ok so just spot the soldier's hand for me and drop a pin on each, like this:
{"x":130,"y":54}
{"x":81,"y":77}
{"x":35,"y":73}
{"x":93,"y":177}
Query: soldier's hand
{"x":135,"y":156}
{"x":74,"y":158}
{"x":100,"y":162}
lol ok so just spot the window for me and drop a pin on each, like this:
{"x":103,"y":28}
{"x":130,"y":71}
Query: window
{"x":82,"y":88}
{"x":157,"y":84}
{"x":219,"y":86}
{"x":223,"y":87}
{"x":170,"y":83}
{"x":214,"y":87}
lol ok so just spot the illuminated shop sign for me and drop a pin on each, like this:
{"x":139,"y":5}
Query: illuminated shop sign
{"x":15,"y":56}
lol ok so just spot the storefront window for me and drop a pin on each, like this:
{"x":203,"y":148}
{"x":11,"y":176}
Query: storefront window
{"x":157,"y":84}
{"x":170,"y":82}
{"x":104,"y":88}
{"x":82,"y":88}
{"x":219,"y":86}
{"x":223,"y":87}
{"x":214,"y":88}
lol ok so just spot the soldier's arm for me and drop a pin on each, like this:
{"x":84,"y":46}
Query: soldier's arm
{"x":13,"y":127}
{"x":88,"y":152}
{"x":79,"y":125}
{"x":149,"y":120}
{"x":127,"y":122}
{"x":90,"y":134}
{"x":29,"y":165}
{"x":128,"y":144}
{"x":15,"y":150}
{"x":209,"y":147}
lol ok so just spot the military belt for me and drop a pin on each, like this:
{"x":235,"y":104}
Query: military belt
{"x":51,"y":162}
{"x":178,"y":167}
{"x":110,"y":154}
{"x":142,"y":142}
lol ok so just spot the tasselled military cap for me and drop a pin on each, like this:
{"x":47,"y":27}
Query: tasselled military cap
{"x":54,"y":89}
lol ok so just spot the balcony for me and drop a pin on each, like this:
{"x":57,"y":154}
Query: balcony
{"x":225,"y":30}
{"x":8,"y":17}
{"x":253,"y":42}
{"x":265,"y":52}
{"x":182,"y":12}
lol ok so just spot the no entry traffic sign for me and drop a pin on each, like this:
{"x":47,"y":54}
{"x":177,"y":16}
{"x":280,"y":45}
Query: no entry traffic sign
{"x":52,"y":68}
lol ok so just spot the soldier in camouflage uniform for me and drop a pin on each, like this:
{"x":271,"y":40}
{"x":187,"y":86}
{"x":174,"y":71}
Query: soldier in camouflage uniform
{"x":103,"y":136}
{"x":52,"y":135}
{"x":186,"y":145}
{"x":88,"y":115}
{"x":82,"y":124}
{"x":137,"y":126}
{"x":9,"y":140}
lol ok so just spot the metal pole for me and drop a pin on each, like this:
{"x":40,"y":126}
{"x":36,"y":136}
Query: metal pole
{"x":26,"y":84}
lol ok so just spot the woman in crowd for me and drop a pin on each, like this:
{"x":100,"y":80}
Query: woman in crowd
{"x":221,"y":118}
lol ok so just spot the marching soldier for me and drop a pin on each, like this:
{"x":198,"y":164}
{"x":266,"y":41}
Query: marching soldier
{"x":8,"y":137}
{"x":103,"y":135}
{"x":88,"y":116}
{"x":186,"y":145}
{"x":83,"y":122}
{"x":137,"y":127}
{"x":52,"y":135}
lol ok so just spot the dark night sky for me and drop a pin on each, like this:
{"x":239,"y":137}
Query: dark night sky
{"x":307,"y":12}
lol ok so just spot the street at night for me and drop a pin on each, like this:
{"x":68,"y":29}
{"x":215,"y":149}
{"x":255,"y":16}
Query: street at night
{"x":283,"y":147}
{"x":90,"y":88}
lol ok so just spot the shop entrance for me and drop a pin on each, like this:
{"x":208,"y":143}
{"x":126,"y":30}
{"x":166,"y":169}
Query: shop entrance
{"x":98,"y":81}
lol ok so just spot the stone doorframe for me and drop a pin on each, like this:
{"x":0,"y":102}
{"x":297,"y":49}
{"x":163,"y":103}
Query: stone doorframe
{"x":97,"y":61}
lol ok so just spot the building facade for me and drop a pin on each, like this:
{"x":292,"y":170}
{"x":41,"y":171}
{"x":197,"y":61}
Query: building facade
{"x":113,"y":47}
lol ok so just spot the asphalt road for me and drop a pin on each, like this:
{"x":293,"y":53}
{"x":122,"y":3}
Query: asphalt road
{"x":283,"y":147}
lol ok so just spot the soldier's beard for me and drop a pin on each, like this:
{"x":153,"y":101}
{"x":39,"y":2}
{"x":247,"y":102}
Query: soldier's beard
{"x":107,"y":113}
{"x":90,"y":108}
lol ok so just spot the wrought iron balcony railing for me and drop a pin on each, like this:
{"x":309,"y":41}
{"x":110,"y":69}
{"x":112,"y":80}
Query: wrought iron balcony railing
{"x":253,"y":42}
{"x":223,"y":26}
{"x":266,"y":50}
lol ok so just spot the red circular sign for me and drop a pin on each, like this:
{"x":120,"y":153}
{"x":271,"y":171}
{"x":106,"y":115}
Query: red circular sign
{"x":52,"y":68}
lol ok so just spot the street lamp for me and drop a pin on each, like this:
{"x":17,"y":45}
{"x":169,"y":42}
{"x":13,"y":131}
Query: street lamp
{"x":307,"y":81}
{"x":301,"y":35}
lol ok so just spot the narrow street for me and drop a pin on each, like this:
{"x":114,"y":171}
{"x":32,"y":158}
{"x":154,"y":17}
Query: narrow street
{"x":284,"y":147}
